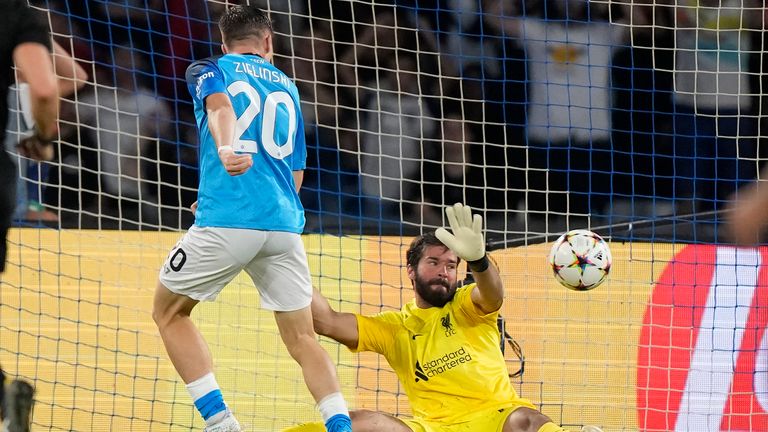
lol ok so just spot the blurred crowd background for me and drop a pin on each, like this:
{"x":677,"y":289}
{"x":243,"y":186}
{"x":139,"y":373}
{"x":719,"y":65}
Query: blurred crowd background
{"x":542,"y":114}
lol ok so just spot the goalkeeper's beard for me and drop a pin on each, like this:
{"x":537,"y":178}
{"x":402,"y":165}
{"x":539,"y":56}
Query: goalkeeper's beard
{"x":434,"y":296}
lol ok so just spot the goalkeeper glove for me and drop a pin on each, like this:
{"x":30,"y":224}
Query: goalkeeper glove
{"x":467,"y":239}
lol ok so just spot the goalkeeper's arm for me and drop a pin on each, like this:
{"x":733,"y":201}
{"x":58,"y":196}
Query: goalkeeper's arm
{"x":339,"y":326}
{"x":489,"y":294}
{"x":468,"y":242}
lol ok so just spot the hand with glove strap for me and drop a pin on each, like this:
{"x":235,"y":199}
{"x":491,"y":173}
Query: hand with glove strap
{"x":467,"y":239}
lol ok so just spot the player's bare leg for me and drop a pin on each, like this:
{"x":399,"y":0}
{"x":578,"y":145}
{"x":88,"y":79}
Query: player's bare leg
{"x":191,"y":357}
{"x":299,"y":337}
{"x":529,"y":420}
{"x":319,"y":372}
{"x":186,"y":347}
{"x":525,"y":420}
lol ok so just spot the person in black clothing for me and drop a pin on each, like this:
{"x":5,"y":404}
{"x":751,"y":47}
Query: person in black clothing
{"x":26,"y":42}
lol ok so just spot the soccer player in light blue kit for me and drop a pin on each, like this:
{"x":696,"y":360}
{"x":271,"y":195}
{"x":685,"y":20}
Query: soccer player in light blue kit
{"x":249,"y":217}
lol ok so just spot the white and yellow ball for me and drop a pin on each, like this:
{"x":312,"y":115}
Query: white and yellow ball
{"x":580,"y":260}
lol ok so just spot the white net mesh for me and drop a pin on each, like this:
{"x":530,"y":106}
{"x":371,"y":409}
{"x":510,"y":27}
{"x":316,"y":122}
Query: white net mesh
{"x":625,"y":117}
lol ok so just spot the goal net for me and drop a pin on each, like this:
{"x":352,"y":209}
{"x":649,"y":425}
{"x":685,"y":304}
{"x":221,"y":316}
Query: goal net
{"x":639,"y":120}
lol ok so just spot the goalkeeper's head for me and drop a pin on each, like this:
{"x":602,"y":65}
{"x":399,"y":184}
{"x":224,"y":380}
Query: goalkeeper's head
{"x":432,"y":269}
{"x":248,"y":27}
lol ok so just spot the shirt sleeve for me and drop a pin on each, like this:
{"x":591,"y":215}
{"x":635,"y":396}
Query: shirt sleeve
{"x":204,"y":78}
{"x":375,"y":333}
{"x":31,"y":26}
{"x":466,"y":307}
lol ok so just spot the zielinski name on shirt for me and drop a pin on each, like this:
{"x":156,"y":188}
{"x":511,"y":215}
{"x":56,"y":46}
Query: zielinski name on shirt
{"x":261,"y":73}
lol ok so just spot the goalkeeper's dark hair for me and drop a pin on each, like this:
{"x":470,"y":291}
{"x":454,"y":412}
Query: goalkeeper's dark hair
{"x":242,"y":22}
{"x":419,"y":244}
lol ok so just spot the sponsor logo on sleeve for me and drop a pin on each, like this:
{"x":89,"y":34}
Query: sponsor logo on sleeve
{"x":200,"y":80}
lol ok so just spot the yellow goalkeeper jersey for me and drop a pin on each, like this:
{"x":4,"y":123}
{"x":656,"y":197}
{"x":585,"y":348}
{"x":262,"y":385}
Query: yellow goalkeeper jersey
{"x":447,"y":359}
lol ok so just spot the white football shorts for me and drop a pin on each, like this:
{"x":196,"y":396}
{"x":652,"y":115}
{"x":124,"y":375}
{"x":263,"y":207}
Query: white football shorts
{"x":206,"y":259}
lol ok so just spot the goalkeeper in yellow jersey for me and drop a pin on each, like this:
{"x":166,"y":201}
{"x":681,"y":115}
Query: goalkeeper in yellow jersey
{"x":443,"y":345}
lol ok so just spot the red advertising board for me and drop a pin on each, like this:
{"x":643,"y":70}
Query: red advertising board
{"x":702,"y":360}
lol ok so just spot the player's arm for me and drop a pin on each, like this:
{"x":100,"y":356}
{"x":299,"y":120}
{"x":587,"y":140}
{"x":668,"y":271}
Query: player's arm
{"x":221,"y":119}
{"x":489,"y":294}
{"x":339,"y":326}
{"x":221,"y":123}
{"x":468,"y":242}
{"x":71,"y":75}
{"x":34,"y":61}
{"x":298,"y":179}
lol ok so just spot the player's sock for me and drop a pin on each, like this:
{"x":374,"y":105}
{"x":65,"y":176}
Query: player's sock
{"x":551,"y":427}
{"x":209,"y":402}
{"x":335,"y":414}
{"x":339,"y":423}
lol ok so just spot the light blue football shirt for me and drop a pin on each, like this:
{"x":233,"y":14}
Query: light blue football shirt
{"x":269,"y":126}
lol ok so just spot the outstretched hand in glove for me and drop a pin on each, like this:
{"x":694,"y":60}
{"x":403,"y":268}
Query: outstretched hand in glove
{"x":466,"y":236}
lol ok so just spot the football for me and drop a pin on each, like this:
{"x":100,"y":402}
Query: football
{"x":580,"y":260}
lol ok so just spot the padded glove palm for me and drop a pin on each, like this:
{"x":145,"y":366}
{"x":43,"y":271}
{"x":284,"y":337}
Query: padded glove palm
{"x":467,"y":239}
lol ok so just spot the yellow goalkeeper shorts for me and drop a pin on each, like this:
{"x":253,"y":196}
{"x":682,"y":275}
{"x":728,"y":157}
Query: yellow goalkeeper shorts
{"x":491,"y":421}
{"x":306,"y":427}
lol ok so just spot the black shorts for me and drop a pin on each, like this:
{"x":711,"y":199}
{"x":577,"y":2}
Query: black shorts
{"x":7,"y":202}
